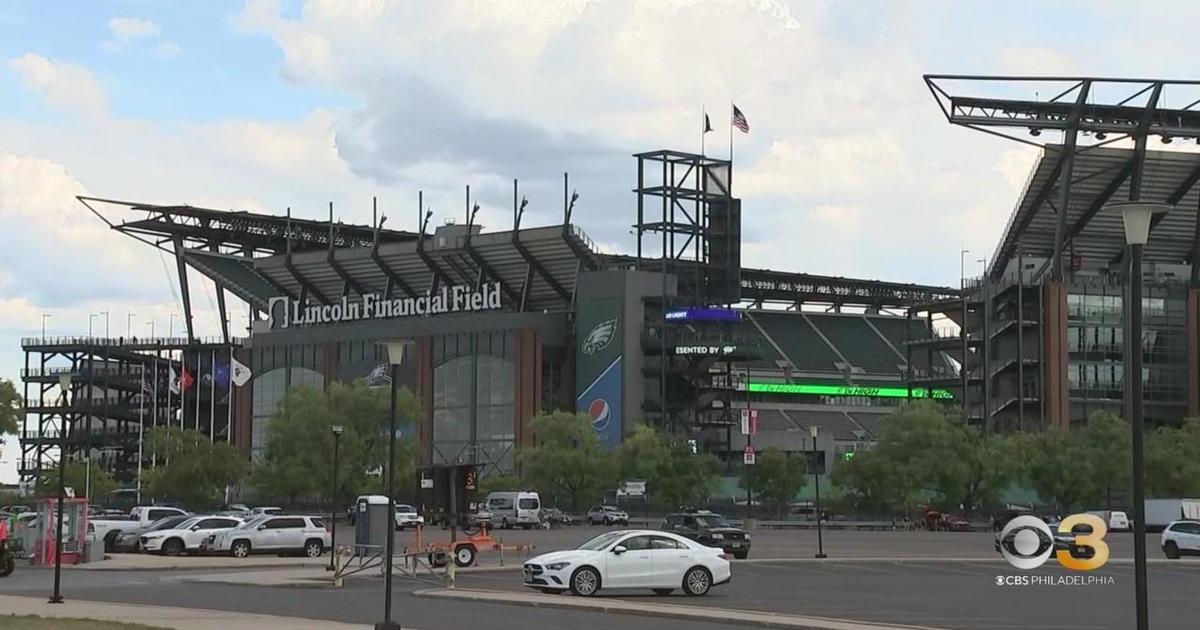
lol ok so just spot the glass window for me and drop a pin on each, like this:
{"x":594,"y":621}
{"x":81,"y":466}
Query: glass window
{"x":662,"y":542}
{"x":285,"y":523}
{"x":528,"y":504}
{"x":637,"y":543}
{"x":317,"y":523}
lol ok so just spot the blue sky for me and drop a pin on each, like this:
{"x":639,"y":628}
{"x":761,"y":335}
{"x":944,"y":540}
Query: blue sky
{"x":849,"y":168}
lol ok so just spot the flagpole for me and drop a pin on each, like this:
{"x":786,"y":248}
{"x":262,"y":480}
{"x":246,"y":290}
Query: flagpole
{"x":731,"y":133}
{"x":702,"y":129}
{"x":196,"y":382}
{"x":154,"y":420}
{"x":229,"y":403}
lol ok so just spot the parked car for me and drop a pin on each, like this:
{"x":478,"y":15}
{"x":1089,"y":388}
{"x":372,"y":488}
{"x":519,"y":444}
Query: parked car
{"x":109,"y":529}
{"x":710,"y":530}
{"x":185,"y":536}
{"x":658,"y":561}
{"x":130,"y":539}
{"x":607,"y":515}
{"x":236,"y":510}
{"x":406,"y":516}
{"x":1116,"y":520}
{"x":523,"y":509}
{"x":1181,"y":538}
{"x":273,"y":534}
{"x":265,"y":511}
{"x":555,"y":516}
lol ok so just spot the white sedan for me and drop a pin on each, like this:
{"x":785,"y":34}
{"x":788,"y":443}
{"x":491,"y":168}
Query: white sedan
{"x":630,"y":559}
{"x":185,"y":536}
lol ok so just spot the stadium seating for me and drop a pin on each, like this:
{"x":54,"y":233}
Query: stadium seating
{"x":872,"y":422}
{"x":841,"y":425}
{"x":802,"y":345}
{"x":858,"y":342}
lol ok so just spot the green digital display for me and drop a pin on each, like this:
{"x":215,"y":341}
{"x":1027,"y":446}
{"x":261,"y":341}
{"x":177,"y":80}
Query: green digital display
{"x":846,"y":390}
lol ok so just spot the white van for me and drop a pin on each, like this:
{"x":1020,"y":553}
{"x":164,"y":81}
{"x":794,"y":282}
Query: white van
{"x":515,"y":508}
{"x":1117,"y":521}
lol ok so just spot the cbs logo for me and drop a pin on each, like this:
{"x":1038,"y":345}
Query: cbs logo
{"x":1026,"y":542}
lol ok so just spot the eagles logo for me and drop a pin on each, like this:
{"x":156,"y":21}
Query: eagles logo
{"x":599,"y":337}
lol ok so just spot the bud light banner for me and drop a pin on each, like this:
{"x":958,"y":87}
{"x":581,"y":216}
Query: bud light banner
{"x":599,"y":378}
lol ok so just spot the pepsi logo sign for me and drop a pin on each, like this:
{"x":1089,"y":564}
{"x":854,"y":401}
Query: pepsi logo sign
{"x":600,"y":413}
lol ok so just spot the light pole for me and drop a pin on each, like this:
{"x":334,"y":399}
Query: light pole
{"x":151,"y":324}
{"x":64,"y":383}
{"x":1136,"y":217}
{"x":105,"y":314}
{"x":91,"y":318}
{"x":962,"y":285}
{"x":812,"y":430}
{"x":396,"y":351}
{"x":333,"y":512}
{"x":128,"y":324}
{"x":45,"y":316}
{"x":171,"y":326}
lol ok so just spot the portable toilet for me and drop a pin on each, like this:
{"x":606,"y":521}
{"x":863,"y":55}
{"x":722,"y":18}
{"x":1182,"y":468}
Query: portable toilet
{"x":372,"y":524}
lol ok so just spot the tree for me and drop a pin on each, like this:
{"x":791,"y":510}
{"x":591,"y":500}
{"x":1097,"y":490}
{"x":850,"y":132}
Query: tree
{"x":919,"y":451}
{"x":1057,"y":467}
{"x":197,"y":470}
{"x":298,"y":460}
{"x":674,"y":475}
{"x":1107,"y":440}
{"x":499,"y":483}
{"x":775,"y":478}
{"x":866,"y":482}
{"x":1173,"y":460}
{"x":983,"y":467}
{"x":567,"y":461}
{"x":10,"y":408}
{"x":77,"y":477}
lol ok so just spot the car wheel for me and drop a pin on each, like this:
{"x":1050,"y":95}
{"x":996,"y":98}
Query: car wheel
{"x":314,"y":548}
{"x":551,"y":591}
{"x":464,"y":556}
{"x":110,"y":541}
{"x":663,"y":591}
{"x":590,"y":521}
{"x":697,"y":581}
{"x":240,"y":549}
{"x":585,"y":581}
{"x":1171,"y":550}
{"x":504,"y":523}
{"x":173,"y":547}
{"x":7,"y":565}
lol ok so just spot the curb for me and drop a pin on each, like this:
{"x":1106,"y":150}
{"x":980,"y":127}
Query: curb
{"x":670,"y":611}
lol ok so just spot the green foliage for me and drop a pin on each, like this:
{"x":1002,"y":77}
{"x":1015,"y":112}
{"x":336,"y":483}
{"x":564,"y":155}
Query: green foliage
{"x":1107,"y":439}
{"x":673,"y":474}
{"x":1173,"y":460}
{"x":1057,"y":468}
{"x":499,"y":483}
{"x":196,"y":471}
{"x":775,"y":478}
{"x":10,"y":408}
{"x":76,"y":477}
{"x":567,"y":464}
{"x":298,"y":461}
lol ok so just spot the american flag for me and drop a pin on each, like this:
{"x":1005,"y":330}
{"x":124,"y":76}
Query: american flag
{"x":739,"y":120}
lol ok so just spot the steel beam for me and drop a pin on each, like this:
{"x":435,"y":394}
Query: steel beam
{"x":541,"y":271}
{"x":181,"y":267}
{"x":483,"y":265}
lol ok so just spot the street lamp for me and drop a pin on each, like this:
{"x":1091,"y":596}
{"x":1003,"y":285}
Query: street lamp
{"x":1137,"y":217}
{"x":105,"y":314}
{"x":91,"y":318}
{"x":812,"y":430}
{"x":45,"y":316}
{"x":64,"y":384}
{"x":962,"y":286}
{"x":333,"y":512}
{"x":396,"y":354}
{"x":128,"y":324}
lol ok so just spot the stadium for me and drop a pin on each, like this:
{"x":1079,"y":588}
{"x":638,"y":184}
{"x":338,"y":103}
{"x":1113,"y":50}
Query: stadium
{"x":676,"y":333}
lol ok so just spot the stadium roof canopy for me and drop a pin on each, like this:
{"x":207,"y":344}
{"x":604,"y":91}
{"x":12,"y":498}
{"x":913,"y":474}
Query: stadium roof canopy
{"x":1101,"y":175}
{"x":1094,"y":133}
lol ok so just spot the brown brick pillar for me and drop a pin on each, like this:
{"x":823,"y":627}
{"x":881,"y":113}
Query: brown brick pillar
{"x":528,"y":394}
{"x":1055,"y":390}
{"x":243,"y":408}
{"x":1193,"y":353}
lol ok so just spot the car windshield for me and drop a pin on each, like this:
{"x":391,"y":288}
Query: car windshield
{"x":404,"y":508}
{"x":601,"y":541}
{"x":187,"y":523}
{"x":528,"y":504}
{"x":711,"y":520}
{"x":167,"y":523}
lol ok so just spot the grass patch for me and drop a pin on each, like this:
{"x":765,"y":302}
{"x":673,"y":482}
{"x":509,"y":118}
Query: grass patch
{"x":33,"y":622}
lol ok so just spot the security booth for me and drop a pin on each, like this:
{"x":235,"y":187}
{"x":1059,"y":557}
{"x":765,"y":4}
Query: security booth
{"x":74,"y":530}
{"x":372,"y":524}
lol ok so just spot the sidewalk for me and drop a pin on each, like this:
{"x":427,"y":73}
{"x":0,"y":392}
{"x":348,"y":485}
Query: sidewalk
{"x":615,"y":605}
{"x":148,"y":562}
{"x":162,"y":616}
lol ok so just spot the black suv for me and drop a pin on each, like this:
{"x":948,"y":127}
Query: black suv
{"x":710,"y":529}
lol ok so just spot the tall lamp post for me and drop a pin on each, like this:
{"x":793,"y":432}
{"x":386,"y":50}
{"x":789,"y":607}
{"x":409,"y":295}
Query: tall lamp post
{"x":333,"y":512}
{"x":1137,"y":216}
{"x":396,"y":351}
{"x":64,"y":383}
{"x":812,"y":430}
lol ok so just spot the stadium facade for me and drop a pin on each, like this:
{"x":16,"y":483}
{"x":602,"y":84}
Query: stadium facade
{"x":506,"y":324}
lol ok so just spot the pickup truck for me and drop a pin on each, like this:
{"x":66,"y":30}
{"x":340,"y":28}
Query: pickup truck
{"x":107,"y":529}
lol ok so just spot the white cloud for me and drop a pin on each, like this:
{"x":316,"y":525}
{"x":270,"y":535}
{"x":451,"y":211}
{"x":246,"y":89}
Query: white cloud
{"x":62,"y":84}
{"x":166,"y":50}
{"x":127,"y":29}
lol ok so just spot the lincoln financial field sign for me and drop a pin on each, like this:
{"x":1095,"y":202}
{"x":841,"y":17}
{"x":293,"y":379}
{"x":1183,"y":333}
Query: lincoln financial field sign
{"x":288,"y":313}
